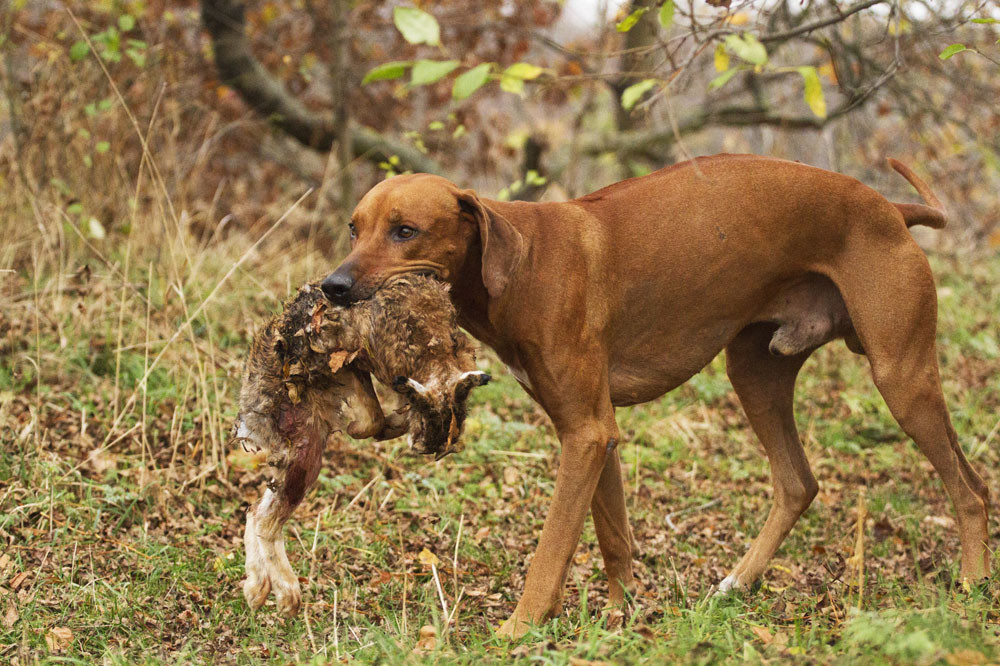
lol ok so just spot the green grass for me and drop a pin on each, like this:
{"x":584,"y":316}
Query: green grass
{"x":121,"y":505}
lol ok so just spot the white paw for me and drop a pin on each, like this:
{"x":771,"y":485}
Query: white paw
{"x":726,"y":585}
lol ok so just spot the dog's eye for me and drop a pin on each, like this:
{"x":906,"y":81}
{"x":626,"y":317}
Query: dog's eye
{"x":404,"y":232}
{"x":354,"y":232}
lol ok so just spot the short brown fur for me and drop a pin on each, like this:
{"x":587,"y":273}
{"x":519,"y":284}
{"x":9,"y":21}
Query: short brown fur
{"x":622,"y":295}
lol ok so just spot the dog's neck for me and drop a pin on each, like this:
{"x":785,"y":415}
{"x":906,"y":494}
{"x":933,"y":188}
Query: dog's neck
{"x":472,"y":303}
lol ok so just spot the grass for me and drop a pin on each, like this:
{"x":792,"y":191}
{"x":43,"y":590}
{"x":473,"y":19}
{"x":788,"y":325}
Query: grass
{"x":121,"y":504}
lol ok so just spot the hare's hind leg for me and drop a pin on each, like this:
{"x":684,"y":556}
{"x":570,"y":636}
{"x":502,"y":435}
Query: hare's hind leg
{"x":257,"y":585}
{"x":268,"y":568}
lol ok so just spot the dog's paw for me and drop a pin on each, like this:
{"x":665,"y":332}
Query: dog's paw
{"x":513,"y":628}
{"x":255,"y":590}
{"x":729,"y":584}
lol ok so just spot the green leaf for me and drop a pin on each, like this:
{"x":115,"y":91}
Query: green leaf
{"x":986,"y":20}
{"x":747,"y":47}
{"x":667,"y":14}
{"x":512,"y":79}
{"x":126,"y":22}
{"x":417,"y":26}
{"x":723,"y":79}
{"x":813,"y":91}
{"x":136,"y":56}
{"x":952,"y":50}
{"x":524,"y":70}
{"x":78,"y":51}
{"x":629,"y":21}
{"x":721,"y":58}
{"x":632,"y":94}
{"x":387,"y":70}
{"x":102,"y":147}
{"x":429,"y":71}
{"x":469,"y":82}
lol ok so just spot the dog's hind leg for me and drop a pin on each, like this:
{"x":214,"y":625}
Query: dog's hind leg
{"x":267,"y":564}
{"x":894,"y":309}
{"x":765,"y":385}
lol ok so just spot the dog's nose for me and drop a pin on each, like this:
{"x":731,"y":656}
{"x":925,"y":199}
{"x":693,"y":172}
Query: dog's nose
{"x":337,"y":287}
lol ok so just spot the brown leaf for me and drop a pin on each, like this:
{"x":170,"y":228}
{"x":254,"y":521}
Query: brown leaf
{"x":719,"y":3}
{"x":764,"y":634}
{"x":337,"y":360}
{"x":428,"y":638}
{"x":58,"y":639}
{"x":18,"y":580}
{"x":100,"y":460}
{"x":10,"y":617}
{"x":317,"y":316}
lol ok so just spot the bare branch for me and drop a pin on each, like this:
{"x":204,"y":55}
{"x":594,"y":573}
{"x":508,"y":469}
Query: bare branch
{"x":224,"y":20}
{"x":819,"y":23}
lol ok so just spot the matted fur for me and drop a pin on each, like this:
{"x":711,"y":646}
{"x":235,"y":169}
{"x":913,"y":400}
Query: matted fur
{"x":308,"y":375}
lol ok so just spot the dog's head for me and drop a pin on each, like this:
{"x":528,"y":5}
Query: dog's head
{"x":421,"y":223}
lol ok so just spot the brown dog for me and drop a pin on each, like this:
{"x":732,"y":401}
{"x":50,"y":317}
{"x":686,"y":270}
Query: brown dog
{"x":622,"y":295}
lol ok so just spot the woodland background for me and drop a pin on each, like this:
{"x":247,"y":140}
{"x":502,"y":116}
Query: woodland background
{"x":171,"y":170}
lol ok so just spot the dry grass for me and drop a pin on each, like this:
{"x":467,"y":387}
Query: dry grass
{"x":121,"y":505}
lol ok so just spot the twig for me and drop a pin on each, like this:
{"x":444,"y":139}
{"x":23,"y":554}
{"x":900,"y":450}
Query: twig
{"x":360,"y":493}
{"x":437,"y":584}
{"x":690,"y":509}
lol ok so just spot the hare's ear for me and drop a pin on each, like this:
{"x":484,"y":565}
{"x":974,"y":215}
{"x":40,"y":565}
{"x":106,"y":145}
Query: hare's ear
{"x":503,"y":246}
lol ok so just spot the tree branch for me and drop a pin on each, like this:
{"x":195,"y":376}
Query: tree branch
{"x":734,"y":116}
{"x":224,"y":20}
{"x":819,"y":23}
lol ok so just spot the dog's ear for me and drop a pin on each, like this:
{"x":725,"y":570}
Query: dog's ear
{"x":503,"y":246}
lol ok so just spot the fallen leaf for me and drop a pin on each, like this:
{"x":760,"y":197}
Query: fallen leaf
{"x":18,"y":580}
{"x":482,"y":533}
{"x":577,"y":661}
{"x":100,"y":460}
{"x":58,"y":639}
{"x":428,"y":559}
{"x":764,"y":634}
{"x":428,"y":634}
{"x":940,"y":521}
{"x":510,"y":475}
{"x":10,"y":617}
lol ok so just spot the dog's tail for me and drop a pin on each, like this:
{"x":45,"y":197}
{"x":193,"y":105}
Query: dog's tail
{"x":932,"y":215}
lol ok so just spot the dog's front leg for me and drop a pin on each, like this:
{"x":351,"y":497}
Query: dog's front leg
{"x":588,"y":441}
{"x":614,"y":536}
